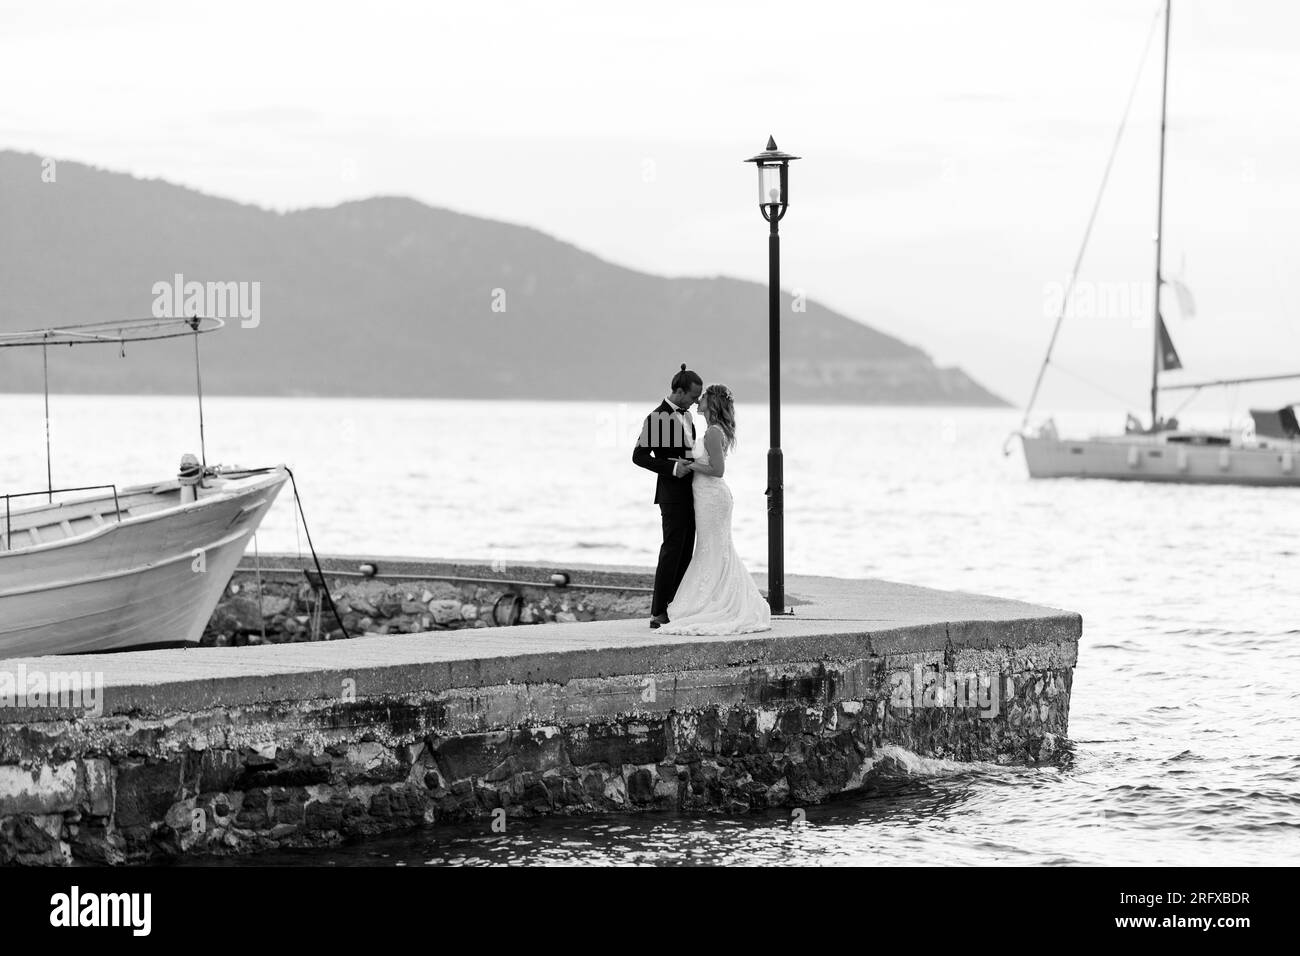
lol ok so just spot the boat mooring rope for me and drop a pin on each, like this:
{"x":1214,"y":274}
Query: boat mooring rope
{"x":257,"y":558}
{"x":319,"y":570}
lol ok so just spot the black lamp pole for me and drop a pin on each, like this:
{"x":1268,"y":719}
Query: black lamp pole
{"x":775,"y":459}
{"x":773,"y":199}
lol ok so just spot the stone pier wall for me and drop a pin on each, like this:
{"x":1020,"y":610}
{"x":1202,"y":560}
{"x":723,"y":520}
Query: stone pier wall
{"x":279,"y":606}
{"x":732,"y":731}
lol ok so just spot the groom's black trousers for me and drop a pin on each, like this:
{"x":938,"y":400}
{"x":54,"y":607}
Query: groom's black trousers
{"x":675,"y":553}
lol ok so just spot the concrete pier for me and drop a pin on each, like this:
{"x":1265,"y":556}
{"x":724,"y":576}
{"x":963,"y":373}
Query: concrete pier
{"x":232,"y":749}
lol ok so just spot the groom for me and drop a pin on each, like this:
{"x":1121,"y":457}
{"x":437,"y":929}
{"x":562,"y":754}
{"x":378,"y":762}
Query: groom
{"x":668,"y":433}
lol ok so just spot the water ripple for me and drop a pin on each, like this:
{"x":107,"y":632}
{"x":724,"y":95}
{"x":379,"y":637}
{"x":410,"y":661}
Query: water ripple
{"x":1185,"y":701}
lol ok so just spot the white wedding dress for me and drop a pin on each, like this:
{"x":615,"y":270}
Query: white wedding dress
{"x":717,"y":595}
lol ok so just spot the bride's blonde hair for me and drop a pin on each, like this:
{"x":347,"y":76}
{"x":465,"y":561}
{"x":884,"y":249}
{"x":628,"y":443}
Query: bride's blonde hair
{"x":722,"y":409}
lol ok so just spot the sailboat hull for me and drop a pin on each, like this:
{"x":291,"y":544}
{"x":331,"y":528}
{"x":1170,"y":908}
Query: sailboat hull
{"x":1144,"y":458}
{"x":138,"y":569}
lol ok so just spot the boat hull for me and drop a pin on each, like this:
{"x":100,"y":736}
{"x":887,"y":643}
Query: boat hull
{"x":1145,"y":459}
{"x":147,"y":580}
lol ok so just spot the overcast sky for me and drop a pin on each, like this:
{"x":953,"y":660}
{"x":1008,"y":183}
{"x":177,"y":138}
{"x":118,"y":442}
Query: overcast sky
{"x":951,"y":149}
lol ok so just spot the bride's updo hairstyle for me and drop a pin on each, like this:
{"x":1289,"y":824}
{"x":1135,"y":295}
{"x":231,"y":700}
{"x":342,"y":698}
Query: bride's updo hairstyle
{"x":722,"y":409}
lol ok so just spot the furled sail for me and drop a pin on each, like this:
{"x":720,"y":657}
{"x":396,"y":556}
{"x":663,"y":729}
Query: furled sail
{"x":1169,"y":359}
{"x":1186,"y":304}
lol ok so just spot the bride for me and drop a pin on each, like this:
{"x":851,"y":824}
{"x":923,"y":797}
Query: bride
{"x":717,"y":595}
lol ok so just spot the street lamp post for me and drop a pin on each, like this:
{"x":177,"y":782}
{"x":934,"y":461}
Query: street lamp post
{"x":773,"y":199}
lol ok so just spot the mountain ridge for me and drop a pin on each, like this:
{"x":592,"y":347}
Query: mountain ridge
{"x":387,"y":296}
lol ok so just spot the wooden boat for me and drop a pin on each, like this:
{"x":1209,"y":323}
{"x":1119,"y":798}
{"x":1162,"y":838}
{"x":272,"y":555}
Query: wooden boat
{"x":139,"y":567}
{"x":1264,"y":454}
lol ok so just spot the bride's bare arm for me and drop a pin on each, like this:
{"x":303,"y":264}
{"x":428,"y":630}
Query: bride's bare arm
{"x":717,"y":457}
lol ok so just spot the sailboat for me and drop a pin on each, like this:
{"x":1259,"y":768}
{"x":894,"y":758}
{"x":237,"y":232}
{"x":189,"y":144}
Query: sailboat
{"x":1265,"y":453}
{"x":116,"y":569}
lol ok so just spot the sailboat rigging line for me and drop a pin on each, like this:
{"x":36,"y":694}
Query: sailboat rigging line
{"x":198,"y":380}
{"x":328,"y":597}
{"x":1159,"y":334}
{"x":1190,"y":398}
{"x":1230,"y":381}
{"x":49,"y":471}
{"x":1097,"y":385}
{"x":1092,"y":219}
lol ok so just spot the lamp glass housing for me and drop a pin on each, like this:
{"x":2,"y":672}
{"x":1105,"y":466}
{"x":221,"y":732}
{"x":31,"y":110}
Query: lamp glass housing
{"x":772,"y":184}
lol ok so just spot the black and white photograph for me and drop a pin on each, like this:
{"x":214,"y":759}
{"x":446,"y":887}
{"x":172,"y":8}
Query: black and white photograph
{"x":689,"y":437}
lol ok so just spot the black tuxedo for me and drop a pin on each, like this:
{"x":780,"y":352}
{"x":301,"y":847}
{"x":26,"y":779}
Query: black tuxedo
{"x":663,"y":437}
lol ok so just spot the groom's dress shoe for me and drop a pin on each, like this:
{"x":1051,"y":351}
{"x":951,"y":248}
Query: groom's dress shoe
{"x":658,"y":620}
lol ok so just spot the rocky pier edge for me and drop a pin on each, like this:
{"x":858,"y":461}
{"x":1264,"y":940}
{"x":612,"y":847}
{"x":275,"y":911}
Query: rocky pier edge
{"x":204,"y":751}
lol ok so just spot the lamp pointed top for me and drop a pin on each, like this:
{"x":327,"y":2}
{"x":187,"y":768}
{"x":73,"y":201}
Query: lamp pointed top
{"x":771,"y":155}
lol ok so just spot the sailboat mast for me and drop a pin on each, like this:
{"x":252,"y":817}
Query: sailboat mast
{"x":1156,"y":343}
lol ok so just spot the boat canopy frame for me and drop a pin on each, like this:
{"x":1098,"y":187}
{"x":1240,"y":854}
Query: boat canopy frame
{"x":119,"y":333}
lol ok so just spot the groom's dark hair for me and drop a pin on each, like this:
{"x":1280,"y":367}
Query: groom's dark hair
{"x":684,"y":379}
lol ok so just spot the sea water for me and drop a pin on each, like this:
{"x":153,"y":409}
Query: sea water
{"x":1185,"y":713}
